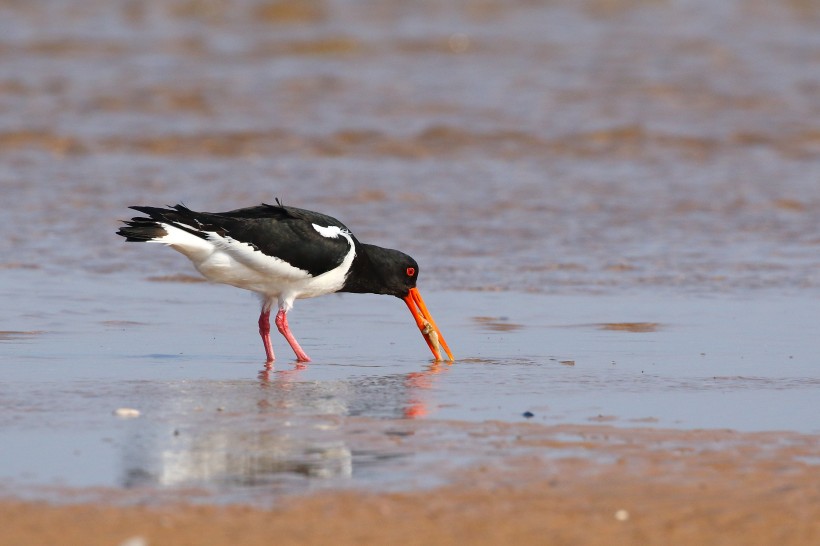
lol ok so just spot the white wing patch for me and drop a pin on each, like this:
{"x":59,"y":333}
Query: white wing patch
{"x":329,"y":281}
{"x":331,"y":232}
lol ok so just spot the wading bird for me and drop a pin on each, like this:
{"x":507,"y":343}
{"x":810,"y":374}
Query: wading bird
{"x":284,"y":254}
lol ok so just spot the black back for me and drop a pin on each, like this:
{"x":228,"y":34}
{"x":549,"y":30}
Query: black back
{"x":286,"y":233}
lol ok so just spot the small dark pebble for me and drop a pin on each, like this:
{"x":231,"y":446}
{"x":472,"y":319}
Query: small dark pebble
{"x":528,"y":414}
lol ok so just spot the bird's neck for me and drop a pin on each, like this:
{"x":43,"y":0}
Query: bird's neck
{"x":364,"y":276}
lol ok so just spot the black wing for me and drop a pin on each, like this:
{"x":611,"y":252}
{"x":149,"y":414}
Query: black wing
{"x":286,"y":233}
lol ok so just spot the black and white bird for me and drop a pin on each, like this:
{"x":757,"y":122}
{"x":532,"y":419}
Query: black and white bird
{"x":284,"y":254}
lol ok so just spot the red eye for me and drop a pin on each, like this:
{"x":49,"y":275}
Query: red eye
{"x":411,"y":271}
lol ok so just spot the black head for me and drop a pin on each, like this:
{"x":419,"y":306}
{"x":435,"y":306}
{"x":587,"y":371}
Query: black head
{"x":380,"y":270}
{"x":399,"y":274}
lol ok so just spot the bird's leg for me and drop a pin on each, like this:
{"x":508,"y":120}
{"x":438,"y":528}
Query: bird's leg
{"x":282,"y":324}
{"x":264,"y":331}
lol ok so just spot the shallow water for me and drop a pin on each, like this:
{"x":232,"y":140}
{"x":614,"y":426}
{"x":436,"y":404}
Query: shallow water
{"x":615,"y":205}
{"x":188,"y":358}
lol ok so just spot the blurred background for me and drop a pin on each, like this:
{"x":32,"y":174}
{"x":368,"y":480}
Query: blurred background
{"x":556,"y":146}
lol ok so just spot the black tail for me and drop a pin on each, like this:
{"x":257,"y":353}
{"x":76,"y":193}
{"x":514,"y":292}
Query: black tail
{"x":141,"y":230}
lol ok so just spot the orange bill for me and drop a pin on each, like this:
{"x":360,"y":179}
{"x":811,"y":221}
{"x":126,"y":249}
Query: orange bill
{"x":432,"y":335}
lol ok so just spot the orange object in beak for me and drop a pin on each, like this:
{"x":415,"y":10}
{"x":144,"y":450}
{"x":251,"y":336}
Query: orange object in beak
{"x":432,"y":335}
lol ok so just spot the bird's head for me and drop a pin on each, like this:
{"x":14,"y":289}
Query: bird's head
{"x":399,"y":273}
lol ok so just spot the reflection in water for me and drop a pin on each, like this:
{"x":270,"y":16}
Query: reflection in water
{"x":417,"y":383}
{"x":277,"y":431}
{"x":228,"y":457}
{"x":264,"y":373}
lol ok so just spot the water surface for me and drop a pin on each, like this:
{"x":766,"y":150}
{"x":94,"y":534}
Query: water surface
{"x":187,"y":356}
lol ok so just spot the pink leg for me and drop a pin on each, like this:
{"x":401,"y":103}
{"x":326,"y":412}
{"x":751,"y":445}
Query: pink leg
{"x":282,"y":324}
{"x":264,"y":331}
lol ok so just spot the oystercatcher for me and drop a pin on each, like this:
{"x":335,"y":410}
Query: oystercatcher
{"x":283,"y":254}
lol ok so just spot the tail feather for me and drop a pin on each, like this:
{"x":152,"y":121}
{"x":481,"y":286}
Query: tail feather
{"x":142,"y":230}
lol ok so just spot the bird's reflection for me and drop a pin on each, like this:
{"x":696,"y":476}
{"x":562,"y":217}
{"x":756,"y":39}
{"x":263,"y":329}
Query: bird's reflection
{"x":265,"y":373}
{"x":411,"y":389}
{"x":280,"y":425}
{"x":417,"y":383}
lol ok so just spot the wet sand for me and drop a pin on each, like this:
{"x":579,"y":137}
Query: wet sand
{"x":654,"y":487}
{"x":616,"y":209}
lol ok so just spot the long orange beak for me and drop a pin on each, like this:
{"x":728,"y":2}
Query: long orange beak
{"x":432,"y":335}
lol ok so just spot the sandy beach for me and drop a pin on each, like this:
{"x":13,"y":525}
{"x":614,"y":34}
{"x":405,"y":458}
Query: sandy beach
{"x":669,"y":487}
